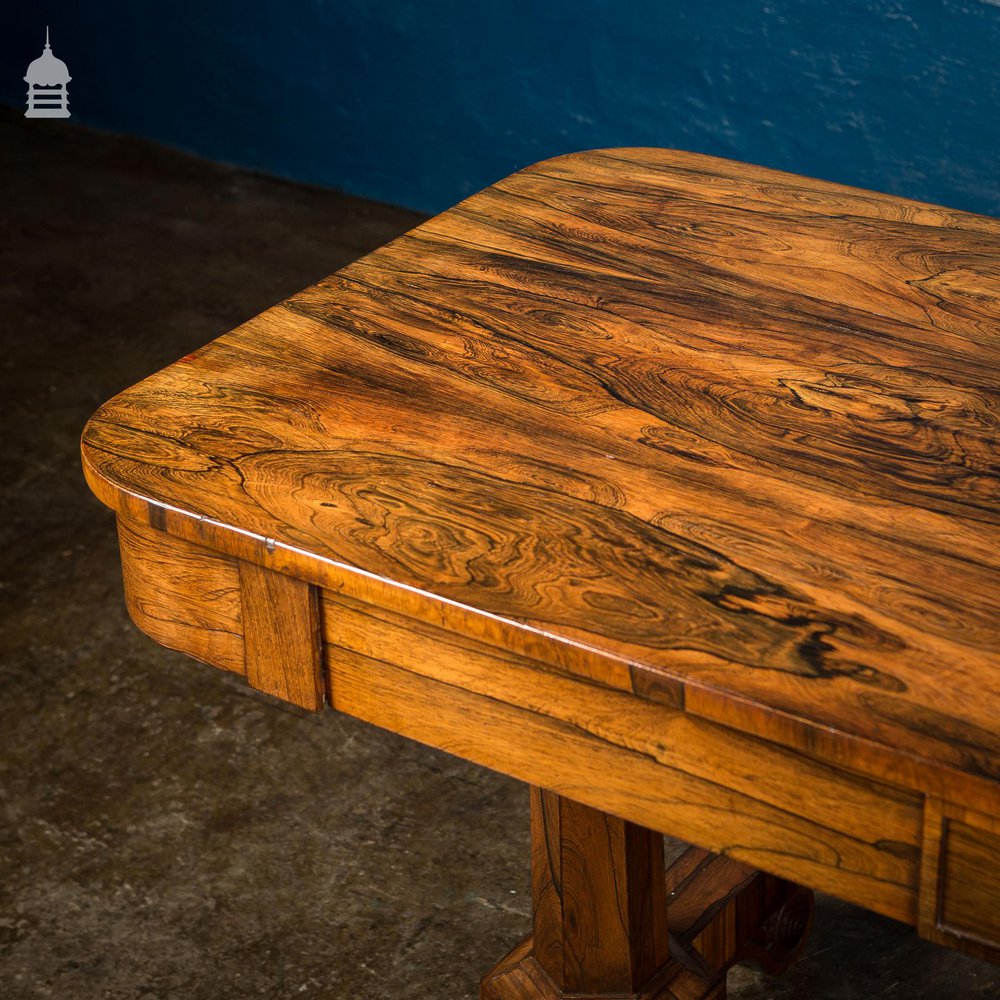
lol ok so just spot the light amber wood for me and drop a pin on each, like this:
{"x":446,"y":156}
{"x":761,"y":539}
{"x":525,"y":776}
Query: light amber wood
{"x":781,"y":392}
{"x":649,"y":763}
{"x":664,"y":482}
{"x":283,"y":650}
{"x":184,"y":596}
{"x":627,"y":782}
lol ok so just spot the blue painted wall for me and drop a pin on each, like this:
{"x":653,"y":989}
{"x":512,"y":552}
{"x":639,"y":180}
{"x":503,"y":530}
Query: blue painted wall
{"x":421,"y":103}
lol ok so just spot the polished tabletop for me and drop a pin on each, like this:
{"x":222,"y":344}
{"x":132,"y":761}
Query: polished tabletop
{"x":726,"y":436}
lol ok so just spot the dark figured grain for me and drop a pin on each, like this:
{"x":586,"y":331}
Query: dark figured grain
{"x":666,"y":483}
{"x":733,"y":427}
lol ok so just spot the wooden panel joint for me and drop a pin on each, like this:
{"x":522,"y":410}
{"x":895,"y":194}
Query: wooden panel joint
{"x":282,"y":635}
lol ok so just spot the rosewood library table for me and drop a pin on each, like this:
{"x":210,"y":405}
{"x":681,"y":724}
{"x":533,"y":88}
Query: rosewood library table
{"x":666,"y":484}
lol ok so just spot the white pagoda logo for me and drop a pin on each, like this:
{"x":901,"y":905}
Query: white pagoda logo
{"x":47,"y":78}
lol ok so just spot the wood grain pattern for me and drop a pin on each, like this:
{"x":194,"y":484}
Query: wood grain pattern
{"x":601,"y":915}
{"x":184,"y":596}
{"x":970,"y":883}
{"x":733,"y":426}
{"x":628,"y":782}
{"x":634,"y":452}
{"x":283,"y":648}
{"x":726,"y":791}
{"x":721,"y":912}
{"x":960,"y":879}
{"x":600,"y":907}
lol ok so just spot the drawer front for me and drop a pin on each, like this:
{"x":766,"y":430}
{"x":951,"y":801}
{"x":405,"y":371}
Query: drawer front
{"x":960,"y":879}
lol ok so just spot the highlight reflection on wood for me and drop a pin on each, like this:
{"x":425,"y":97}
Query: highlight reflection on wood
{"x":666,"y":483}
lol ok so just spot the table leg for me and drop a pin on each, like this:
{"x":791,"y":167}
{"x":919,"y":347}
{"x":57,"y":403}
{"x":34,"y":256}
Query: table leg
{"x":610,"y":922}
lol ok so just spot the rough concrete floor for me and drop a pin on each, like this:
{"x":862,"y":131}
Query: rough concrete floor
{"x":167,"y":832}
